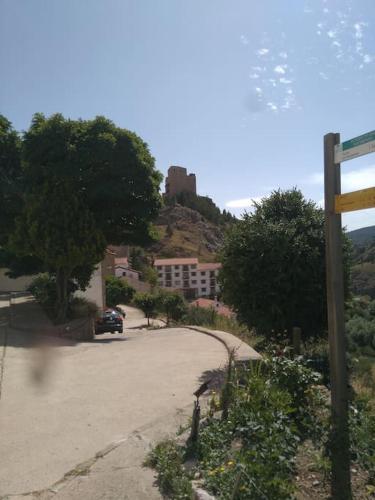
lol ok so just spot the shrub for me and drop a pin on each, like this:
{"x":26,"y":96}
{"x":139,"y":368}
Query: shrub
{"x":173,"y":305}
{"x":118,"y":291}
{"x":43,"y":288}
{"x":167,"y":459}
{"x":200,"y":316}
{"x":146,"y":302}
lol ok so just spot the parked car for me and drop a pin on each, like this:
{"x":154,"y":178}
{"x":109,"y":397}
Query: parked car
{"x":110,"y":321}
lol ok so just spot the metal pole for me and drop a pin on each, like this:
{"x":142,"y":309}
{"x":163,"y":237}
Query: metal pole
{"x":340,"y":447}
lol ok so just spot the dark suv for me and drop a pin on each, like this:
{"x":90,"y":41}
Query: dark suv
{"x":109,"y":321}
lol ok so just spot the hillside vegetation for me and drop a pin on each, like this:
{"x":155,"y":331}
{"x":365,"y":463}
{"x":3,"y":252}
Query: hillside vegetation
{"x":184,"y":232}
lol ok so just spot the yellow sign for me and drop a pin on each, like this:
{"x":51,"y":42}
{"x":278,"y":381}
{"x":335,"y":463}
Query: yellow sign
{"x":357,"y":200}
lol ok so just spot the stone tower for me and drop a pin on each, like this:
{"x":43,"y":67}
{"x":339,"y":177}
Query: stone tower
{"x":178,"y":180}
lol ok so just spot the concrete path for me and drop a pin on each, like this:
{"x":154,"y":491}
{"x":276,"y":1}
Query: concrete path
{"x":61,"y":405}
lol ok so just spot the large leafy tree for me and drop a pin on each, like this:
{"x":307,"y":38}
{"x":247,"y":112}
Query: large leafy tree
{"x":110,"y":168}
{"x":274,"y":266}
{"x":59,"y":230}
{"x":85,"y":184}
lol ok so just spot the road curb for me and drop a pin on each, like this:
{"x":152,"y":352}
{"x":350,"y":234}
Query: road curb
{"x":243,"y":352}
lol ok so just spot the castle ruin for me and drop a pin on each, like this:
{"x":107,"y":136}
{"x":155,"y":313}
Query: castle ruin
{"x":178,"y":181}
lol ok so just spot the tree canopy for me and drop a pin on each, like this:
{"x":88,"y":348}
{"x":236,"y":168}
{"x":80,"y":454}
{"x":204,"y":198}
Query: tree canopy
{"x":274,"y":265}
{"x":72,"y":187}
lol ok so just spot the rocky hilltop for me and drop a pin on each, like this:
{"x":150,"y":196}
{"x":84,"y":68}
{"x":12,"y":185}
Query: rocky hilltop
{"x":185,"y":232}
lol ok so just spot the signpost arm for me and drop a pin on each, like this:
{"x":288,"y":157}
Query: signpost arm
{"x":340,"y":447}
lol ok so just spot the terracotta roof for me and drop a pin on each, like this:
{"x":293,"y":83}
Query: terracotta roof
{"x":211,"y":266}
{"x":122,"y":260}
{"x":211,"y":304}
{"x":176,"y":262}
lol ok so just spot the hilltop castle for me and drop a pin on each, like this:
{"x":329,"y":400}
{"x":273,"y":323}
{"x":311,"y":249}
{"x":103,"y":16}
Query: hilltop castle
{"x":178,"y":181}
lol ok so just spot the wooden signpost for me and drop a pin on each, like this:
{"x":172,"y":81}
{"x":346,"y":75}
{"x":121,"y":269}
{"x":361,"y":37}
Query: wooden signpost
{"x":335,"y":204}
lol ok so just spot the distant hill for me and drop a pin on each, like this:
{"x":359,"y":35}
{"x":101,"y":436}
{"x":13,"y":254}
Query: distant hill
{"x":363,"y":235}
{"x":184,"y":232}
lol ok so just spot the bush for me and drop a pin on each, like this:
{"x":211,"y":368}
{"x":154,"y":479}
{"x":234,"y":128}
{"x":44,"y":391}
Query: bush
{"x":172,"y":304}
{"x":167,"y":459}
{"x":360,"y":332}
{"x":43,"y":288}
{"x":146,"y":302}
{"x":200,"y":316}
{"x":118,"y":291}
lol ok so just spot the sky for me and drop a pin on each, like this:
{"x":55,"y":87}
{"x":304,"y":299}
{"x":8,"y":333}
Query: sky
{"x":241,"y":93}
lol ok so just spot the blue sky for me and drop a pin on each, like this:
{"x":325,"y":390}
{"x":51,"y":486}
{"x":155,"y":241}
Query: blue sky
{"x":241,"y":93}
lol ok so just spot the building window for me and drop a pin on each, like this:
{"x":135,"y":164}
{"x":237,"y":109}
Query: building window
{"x":193,"y":266}
{"x":203,"y":290}
{"x":203,"y":282}
{"x":177,"y":283}
{"x":168,"y":283}
{"x":176,"y":275}
{"x":177,"y":267}
{"x":203,"y":273}
{"x":212,"y":274}
{"x":160,"y":275}
{"x":186,"y":284}
{"x":168,"y":269}
{"x":193,"y":274}
{"x":194,"y":282}
{"x":123,"y":273}
{"x":185,"y":268}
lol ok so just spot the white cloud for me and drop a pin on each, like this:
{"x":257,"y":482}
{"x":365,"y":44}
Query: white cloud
{"x":367,"y":59}
{"x":280,"y":69}
{"x":272,"y":106}
{"x":358,"y":30}
{"x":358,"y":179}
{"x":323,"y":75}
{"x":263,"y":52}
{"x":336,"y":44}
{"x":285,"y":81}
{"x":350,"y":181}
{"x":325,"y":10}
{"x":243,"y":202}
{"x":283,"y":55}
{"x":331,"y":34}
{"x":253,"y":76}
{"x":258,"y":90}
{"x":244,"y":40}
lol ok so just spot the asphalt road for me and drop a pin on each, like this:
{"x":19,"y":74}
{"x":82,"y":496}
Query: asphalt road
{"x":59,"y":406}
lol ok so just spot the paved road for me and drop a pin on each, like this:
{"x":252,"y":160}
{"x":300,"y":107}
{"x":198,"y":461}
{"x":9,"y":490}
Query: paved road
{"x":90,"y":395}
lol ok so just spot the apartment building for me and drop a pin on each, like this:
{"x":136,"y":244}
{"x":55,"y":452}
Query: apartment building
{"x":189,"y":276}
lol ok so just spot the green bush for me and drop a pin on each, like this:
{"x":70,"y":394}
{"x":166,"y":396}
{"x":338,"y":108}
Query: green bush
{"x":146,"y":302}
{"x":118,"y":291}
{"x":43,"y":288}
{"x":360,"y":332}
{"x":362,"y":432}
{"x":200,"y":316}
{"x":250,"y":455}
{"x":172,"y":304}
{"x":167,"y":459}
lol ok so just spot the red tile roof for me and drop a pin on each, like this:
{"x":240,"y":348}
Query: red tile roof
{"x":176,"y":262}
{"x":211,"y":266}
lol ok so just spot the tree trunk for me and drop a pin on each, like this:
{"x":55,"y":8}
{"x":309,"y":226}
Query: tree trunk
{"x":62,"y":295}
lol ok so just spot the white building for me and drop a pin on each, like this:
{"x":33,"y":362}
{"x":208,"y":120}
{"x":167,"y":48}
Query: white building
{"x":188,"y":275}
{"x":123,"y":270}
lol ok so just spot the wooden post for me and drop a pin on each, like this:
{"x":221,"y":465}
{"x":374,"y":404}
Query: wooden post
{"x":296,"y":341}
{"x":195,"y":422}
{"x":340,"y":448}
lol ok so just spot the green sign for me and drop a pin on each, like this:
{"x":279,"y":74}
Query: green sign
{"x":353,"y":148}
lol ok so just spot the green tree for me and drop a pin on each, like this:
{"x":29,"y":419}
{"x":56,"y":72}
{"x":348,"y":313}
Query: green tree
{"x":138,"y":259}
{"x":58,"y":229}
{"x":274,"y":266}
{"x":173,"y":305}
{"x":111,"y":169}
{"x":11,"y":184}
{"x":146,"y":302}
{"x":150,"y":275}
{"x":118,"y":291}
{"x":107,"y":170}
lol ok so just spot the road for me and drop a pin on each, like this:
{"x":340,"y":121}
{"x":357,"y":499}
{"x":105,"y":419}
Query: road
{"x":90,"y":395}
